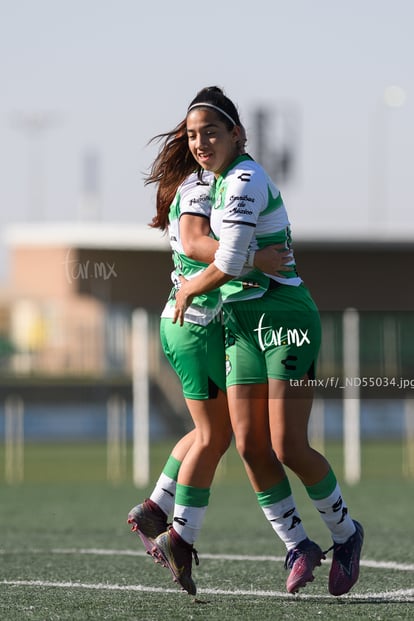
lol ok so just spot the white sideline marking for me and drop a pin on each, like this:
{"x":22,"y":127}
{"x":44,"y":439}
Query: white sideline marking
{"x":219,"y":557}
{"x":232,"y":557}
{"x":405,"y":594}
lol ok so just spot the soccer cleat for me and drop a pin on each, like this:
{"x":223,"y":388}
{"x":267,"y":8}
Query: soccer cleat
{"x":302,"y":560}
{"x":148,"y":521}
{"x":345,"y":563}
{"x":176,"y":554}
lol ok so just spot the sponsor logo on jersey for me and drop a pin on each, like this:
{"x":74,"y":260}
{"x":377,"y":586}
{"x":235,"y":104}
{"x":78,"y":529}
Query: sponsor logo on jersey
{"x":199,"y":199}
{"x":245,"y":198}
{"x":245,"y":176}
{"x":241,"y":204}
{"x":239,"y":209}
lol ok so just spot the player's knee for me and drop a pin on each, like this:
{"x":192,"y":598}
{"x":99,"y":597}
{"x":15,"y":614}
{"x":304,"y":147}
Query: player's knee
{"x":288,"y":455}
{"x":215,"y":443}
{"x":250,"y":452}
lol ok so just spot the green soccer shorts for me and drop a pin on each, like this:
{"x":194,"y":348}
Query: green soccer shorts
{"x":196,"y":353}
{"x":276,"y":336}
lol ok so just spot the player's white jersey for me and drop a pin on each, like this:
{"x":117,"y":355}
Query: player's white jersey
{"x":192,"y":197}
{"x":248,"y":213}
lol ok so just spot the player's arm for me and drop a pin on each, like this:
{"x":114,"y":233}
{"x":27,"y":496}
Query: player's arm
{"x":197,"y":245}
{"x":209,"y":279}
{"x":194,"y":232}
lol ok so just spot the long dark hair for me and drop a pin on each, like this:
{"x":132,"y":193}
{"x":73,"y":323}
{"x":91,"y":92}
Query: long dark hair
{"x":172,"y":165}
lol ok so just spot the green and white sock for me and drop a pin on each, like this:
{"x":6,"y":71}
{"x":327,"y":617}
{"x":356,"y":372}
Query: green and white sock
{"x":164,"y":491}
{"x":279,"y":508}
{"x":327,"y":498}
{"x":189,"y":510}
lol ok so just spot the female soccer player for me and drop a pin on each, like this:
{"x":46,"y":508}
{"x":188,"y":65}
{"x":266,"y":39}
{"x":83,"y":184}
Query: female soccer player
{"x":195,"y":351}
{"x":272,"y":342}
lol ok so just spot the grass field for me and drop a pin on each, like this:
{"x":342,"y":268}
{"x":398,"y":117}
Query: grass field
{"x":66,"y":552}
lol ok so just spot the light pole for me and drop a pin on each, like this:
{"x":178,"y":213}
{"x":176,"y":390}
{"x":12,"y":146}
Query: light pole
{"x":35,"y":125}
{"x":393,"y":97}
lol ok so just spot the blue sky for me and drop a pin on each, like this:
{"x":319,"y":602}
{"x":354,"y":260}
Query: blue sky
{"x":107,"y":75}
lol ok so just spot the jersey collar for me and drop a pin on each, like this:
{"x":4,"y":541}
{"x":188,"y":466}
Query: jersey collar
{"x":239,"y":158}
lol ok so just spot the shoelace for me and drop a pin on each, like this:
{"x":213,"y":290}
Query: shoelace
{"x":193,"y":550}
{"x":195,"y":556}
{"x":338,"y":547}
{"x":293,"y":554}
{"x":291,"y":557}
{"x":331,"y":548}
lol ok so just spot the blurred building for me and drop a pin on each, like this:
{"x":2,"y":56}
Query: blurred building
{"x":72,"y":287}
{"x":71,"y":291}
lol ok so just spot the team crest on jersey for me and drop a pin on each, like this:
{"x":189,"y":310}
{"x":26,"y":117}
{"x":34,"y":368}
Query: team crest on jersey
{"x":228,"y":365}
{"x":219,"y":202}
